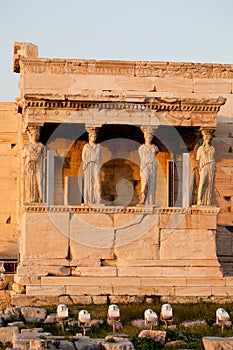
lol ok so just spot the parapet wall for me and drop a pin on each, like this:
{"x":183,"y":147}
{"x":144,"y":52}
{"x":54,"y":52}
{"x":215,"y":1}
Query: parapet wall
{"x":161,"y":252}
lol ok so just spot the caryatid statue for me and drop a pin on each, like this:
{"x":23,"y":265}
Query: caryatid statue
{"x":148,"y":167}
{"x":33,"y":161}
{"x":207,"y":169}
{"x":92,"y":161}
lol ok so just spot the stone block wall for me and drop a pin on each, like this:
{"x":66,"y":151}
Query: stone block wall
{"x":9,"y":180}
{"x":102,"y":257}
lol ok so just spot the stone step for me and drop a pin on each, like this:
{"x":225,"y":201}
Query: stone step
{"x":28,"y":275}
{"x":56,"y":286}
{"x":129,"y":290}
{"x":136,"y":281}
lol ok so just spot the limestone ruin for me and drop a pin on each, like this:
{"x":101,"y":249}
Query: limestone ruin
{"x":99,"y":240}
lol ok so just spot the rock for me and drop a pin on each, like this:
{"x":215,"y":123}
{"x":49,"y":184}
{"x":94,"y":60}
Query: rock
{"x":157,"y":336}
{"x":14,"y":313}
{"x":174,"y":343}
{"x":34,"y":314}
{"x":117,"y":336}
{"x":38,"y":344}
{"x":3,"y":284}
{"x":117,"y":345}
{"x":139,"y":324}
{"x":172,"y":326}
{"x":149,"y":300}
{"x":217,"y":343}
{"x":18,"y":288}
{"x":51,"y":318}
{"x":22,"y":341}
{"x":27,"y":300}
{"x":32,"y":330}
{"x":16,"y":324}
{"x":53,"y":344}
{"x":190,"y":324}
{"x":6,"y":318}
{"x":5,"y":299}
{"x":7,"y":334}
{"x":66,"y":345}
{"x":96,"y":323}
{"x":124,"y":299}
{"x":88,"y":344}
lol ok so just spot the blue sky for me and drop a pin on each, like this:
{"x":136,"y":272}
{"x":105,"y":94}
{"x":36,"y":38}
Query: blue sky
{"x":157,"y":30}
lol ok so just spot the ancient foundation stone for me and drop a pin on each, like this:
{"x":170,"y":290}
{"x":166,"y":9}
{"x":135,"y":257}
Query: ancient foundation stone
{"x":215,"y":343}
{"x":33,"y":314}
{"x":157,"y":336}
{"x":7,"y":334}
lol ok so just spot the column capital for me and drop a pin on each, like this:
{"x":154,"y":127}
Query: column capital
{"x":207,"y":131}
{"x":33,"y":132}
{"x":148,"y":129}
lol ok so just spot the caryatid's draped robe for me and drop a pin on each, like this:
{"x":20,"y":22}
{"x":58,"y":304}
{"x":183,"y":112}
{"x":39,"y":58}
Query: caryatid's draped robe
{"x":148,"y":172}
{"x":33,"y":158}
{"x":207,"y":172}
{"x":92,"y":160}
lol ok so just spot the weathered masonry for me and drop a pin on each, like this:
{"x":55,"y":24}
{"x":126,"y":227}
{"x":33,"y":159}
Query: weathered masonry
{"x":120,"y":247}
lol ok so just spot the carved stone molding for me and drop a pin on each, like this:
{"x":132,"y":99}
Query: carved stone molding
{"x":127,"y":68}
{"x":151,"y":112}
{"x":204,"y":209}
{"x":120,"y":210}
{"x":156,"y":104}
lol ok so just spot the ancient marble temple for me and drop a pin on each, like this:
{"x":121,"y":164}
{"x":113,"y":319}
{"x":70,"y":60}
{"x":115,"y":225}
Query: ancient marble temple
{"x":121,"y":170}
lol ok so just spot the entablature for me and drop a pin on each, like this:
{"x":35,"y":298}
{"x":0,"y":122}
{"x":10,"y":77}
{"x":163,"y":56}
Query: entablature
{"x":151,"y":111}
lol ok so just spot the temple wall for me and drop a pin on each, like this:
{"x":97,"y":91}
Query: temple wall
{"x":9,"y":180}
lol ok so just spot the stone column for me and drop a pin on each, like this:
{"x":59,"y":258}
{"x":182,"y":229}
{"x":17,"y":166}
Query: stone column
{"x":207,"y":168}
{"x":92,"y":162}
{"x":33,"y":156}
{"x":148,"y":167}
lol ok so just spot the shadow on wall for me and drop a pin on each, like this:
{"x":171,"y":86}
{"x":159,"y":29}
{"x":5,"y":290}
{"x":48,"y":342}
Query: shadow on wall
{"x":224,"y":242}
{"x":114,"y":171}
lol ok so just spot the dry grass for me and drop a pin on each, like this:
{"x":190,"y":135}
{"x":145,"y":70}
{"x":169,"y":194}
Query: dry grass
{"x":182,"y":312}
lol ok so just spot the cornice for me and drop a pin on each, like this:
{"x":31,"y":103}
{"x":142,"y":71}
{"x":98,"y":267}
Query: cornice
{"x":153,"y":104}
{"x":150,"y":111}
{"x":127,"y":68}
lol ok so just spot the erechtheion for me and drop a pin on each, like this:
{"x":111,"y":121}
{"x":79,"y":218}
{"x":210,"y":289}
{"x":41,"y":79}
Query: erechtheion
{"x":117,"y":180}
